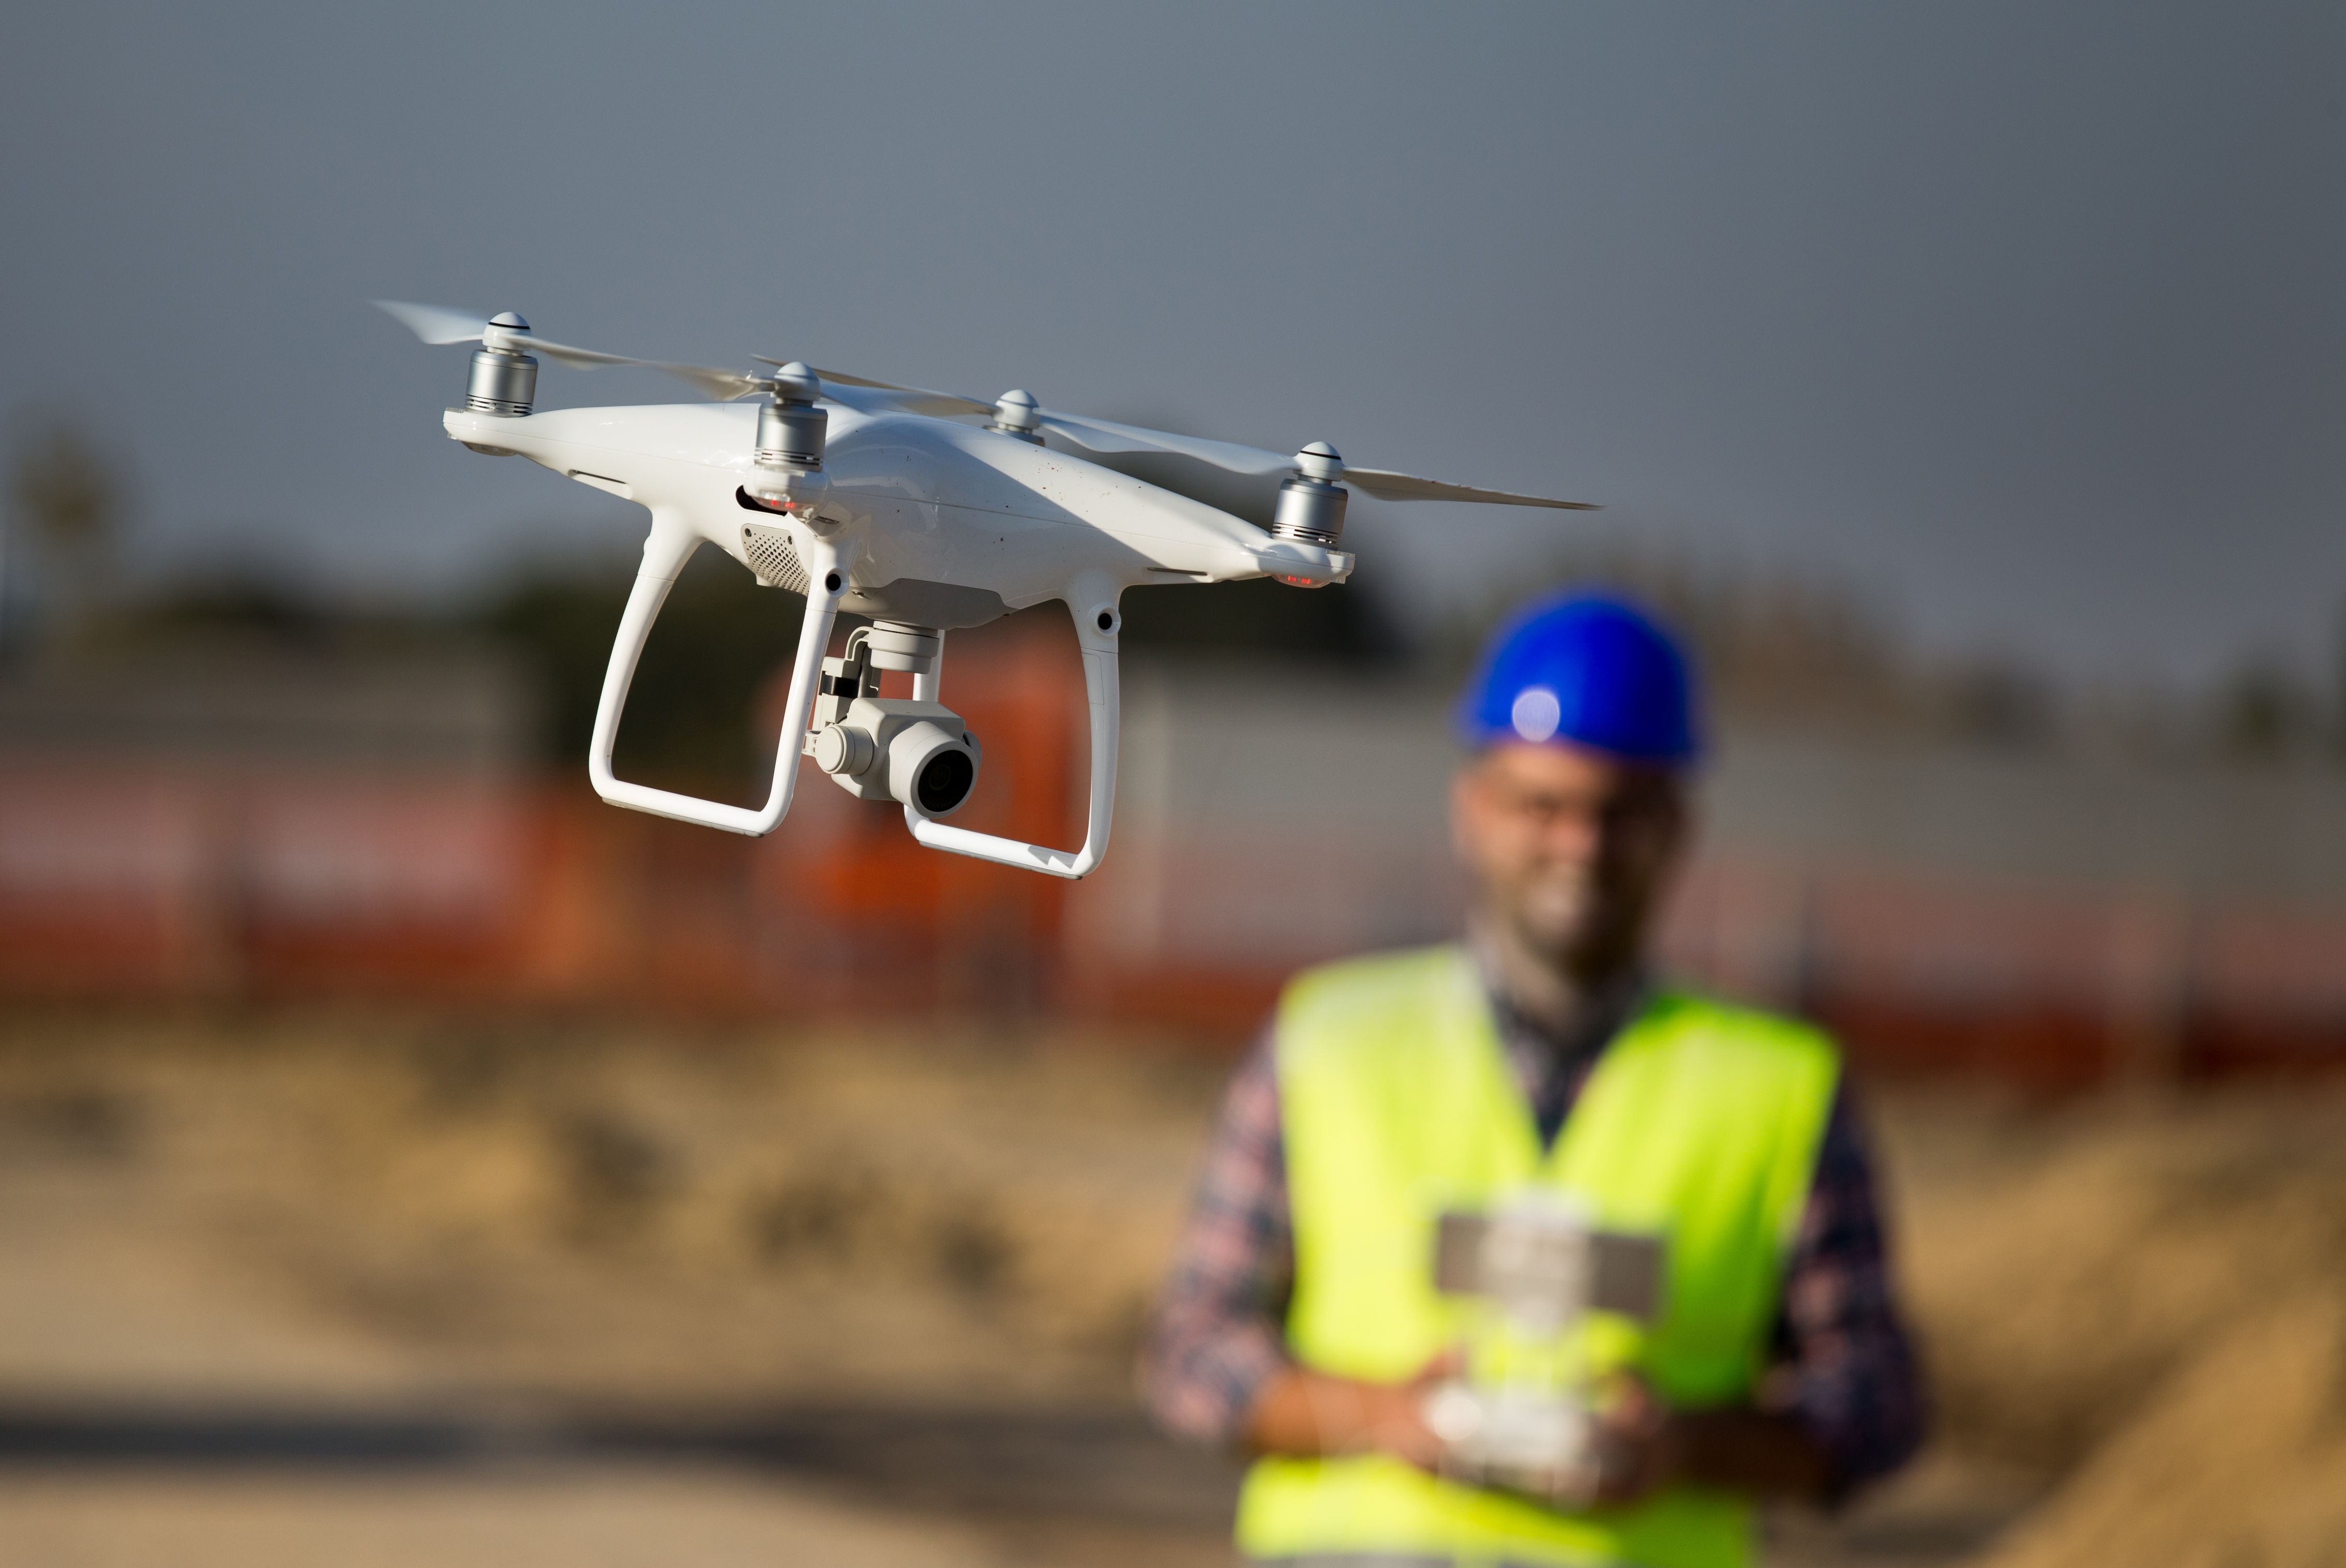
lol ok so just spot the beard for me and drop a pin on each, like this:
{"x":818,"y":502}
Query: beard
{"x":1570,"y":917}
{"x":1551,"y":908}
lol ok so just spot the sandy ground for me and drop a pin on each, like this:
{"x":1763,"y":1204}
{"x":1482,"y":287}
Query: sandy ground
{"x":365,"y":1289}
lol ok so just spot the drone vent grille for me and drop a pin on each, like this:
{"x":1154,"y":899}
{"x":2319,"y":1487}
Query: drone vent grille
{"x":772,"y":557}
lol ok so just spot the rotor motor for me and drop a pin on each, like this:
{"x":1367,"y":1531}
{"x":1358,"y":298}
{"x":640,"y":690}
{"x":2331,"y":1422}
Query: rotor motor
{"x":504,"y":381}
{"x":1311,"y":502}
{"x":790,"y":427}
{"x":1017,"y":415}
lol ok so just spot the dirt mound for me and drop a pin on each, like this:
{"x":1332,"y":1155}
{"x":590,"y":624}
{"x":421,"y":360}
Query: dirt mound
{"x":2134,"y":1310}
{"x":2145,"y":1302}
{"x":2240,"y":1458}
{"x":671,"y":1216}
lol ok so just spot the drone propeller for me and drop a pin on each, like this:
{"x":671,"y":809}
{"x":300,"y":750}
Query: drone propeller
{"x":1016,"y":412}
{"x":911,"y":400}
{"x":1385,"y":485}
{"x":1106,"y":435}
{"x":441,"y":324}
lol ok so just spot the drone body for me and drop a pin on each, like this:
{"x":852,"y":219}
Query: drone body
{"x":870,"y":498}
{"x":959,"y":526}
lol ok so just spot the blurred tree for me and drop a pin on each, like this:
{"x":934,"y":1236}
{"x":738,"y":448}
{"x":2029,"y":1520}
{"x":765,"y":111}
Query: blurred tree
{"x":241,"y":605}
{"x":1257,"y":615}
{"x":2336,"y":706}
{"x":2264,"y":712}
{"x":689,"y":723}
{"x":2004,"y":705}
{"x":563,"y":627}
{"x":66,"y":496}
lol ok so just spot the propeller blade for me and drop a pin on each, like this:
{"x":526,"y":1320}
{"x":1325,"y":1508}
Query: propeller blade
{"x":442,"y":324}
{"x":1387,"y":486}
{"x":577,"y":359}
{"x":435,"y":323}
{"x":876,"y":400}
{"x":722,"y":385}
{"x":1106,"y":435}
{"x":911,"y":400}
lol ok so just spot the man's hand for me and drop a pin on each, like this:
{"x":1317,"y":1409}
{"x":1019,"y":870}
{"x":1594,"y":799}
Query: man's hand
{"x":1639,"y":1444}
{"x":1310,"y":1414}
{"x":1643,"y":1445}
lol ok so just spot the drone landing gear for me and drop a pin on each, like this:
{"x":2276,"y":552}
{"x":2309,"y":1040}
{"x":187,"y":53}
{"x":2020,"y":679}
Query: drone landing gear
{"x":1095,"y":630}
{"x":827,"y":560}
{"x":915,"y":751}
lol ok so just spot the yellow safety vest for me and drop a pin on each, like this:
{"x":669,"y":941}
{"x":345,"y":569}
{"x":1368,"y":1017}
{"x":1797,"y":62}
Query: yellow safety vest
{"x":1701,"y":1123}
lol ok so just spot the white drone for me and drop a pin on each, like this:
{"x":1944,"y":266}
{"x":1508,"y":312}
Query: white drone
{"x":883,"y":505}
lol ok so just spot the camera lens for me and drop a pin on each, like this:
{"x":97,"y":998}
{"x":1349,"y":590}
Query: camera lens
{"x":944,"y":780}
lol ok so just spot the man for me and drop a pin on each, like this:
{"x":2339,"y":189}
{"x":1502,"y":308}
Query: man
{"x":1301,"y":1318}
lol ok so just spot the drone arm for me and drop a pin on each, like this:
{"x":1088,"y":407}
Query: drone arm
{"x":1098,"y":642}
{"x":665,"y":553}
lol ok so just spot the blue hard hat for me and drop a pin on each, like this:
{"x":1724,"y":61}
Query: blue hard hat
{"x":1588,"y":669}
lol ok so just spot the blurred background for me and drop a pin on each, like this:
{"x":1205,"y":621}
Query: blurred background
{"x":404,"y":1155}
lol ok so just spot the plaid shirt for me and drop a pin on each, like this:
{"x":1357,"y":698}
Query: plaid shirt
{"x":1842,"y":1364}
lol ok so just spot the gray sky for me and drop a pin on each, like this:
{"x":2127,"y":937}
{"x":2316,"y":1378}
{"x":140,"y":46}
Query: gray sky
{"x":2027,"y":320}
